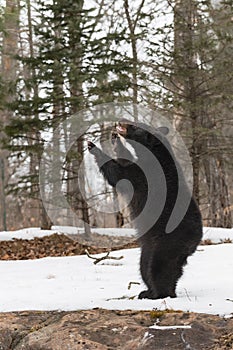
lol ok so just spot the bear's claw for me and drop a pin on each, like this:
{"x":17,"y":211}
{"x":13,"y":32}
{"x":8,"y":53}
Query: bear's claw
{"x":90,"y":145}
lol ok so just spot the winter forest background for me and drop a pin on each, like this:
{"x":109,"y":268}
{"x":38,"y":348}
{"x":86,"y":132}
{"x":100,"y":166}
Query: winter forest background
{"x":60,"y":57}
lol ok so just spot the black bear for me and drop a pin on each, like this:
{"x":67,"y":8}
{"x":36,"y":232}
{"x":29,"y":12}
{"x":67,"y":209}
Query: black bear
{"x":163,"y":252}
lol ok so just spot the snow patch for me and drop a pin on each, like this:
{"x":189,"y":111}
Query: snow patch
{"x":74,"y":283}
{"x":216,"y":235}
{"x":162,"y":328}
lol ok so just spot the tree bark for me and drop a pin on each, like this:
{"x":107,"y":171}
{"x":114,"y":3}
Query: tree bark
{"x":9,"y":74}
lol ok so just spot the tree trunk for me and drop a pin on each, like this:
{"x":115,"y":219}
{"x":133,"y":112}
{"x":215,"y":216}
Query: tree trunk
{"x":186,"y":73}
{"x":9,"y":74}
{"x":77,"y":103}
{"x":132,"y":24}
{"x":219,"y":213}
{"x":37,"y":208}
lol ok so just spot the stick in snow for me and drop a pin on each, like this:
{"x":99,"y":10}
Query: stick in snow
{"x":130,"y":284}
{"x":97,"y":260}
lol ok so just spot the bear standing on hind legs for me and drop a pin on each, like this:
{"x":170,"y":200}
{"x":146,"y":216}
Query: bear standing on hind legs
{"x":163,"y":252}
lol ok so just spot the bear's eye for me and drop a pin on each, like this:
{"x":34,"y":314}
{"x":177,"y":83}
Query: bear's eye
{"x":134,"y":127}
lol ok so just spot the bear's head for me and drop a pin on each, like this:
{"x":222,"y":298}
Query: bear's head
{"x":142,"y":133}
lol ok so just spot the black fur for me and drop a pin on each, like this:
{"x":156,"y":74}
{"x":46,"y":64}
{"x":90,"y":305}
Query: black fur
{"x":163,"y":255}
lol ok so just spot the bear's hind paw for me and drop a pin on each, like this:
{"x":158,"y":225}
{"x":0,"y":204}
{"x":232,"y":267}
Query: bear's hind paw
{"x":145,"y":294}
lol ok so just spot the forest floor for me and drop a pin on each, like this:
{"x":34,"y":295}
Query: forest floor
{"x":62,"y":245}
{"x":99,"y":328}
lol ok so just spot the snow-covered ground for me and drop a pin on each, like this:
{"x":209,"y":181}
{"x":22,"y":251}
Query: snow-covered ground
{"x":216,"y":235}
{"x":72,"y":283}
{"x":32,"y":232}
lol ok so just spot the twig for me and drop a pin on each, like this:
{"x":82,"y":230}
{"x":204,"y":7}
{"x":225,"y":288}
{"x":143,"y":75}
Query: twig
{"x":97,"y":260}
{"x":123,"y":298}
{"x":187,"y":294}
{"x":130,"y":284}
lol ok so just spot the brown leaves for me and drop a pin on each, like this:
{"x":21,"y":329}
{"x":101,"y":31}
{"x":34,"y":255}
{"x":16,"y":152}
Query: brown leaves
{"x":54,"y":245}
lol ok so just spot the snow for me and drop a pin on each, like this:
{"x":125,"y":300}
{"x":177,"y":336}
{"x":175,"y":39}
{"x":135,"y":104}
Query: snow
{"x":73,"y":283}
{"x":216,"y":235}
{"x":26,"y":233}
{"x":162,"y":328}
{"x":32,"y":232}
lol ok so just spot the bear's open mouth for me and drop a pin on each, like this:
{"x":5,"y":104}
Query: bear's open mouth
{"x":121,"y":129}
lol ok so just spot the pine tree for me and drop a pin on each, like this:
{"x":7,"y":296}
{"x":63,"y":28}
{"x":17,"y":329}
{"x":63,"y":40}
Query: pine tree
{"x":65,"y":61}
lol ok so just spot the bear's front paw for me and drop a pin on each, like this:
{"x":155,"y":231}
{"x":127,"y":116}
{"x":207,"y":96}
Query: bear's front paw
{"x":115,"y":137}
{"x":91,"y":146}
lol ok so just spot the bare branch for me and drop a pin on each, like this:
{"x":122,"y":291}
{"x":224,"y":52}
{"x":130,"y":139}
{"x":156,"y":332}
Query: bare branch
{"x":130,"y":284}
{"x":97,"y":260}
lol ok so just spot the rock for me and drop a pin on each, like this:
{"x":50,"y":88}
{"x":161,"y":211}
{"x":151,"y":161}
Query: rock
{"x":99,"y":329}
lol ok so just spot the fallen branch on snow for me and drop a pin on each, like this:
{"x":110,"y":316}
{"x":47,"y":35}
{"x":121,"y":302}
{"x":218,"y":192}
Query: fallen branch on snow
{"x":97,"y":260}
{"x":130,"y":284}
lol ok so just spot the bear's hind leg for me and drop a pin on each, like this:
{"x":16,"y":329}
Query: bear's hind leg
{"x":162,"y":275}
{"x":145,"y":263}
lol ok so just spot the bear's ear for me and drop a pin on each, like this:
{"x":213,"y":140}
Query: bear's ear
{"x":163,"y":129}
